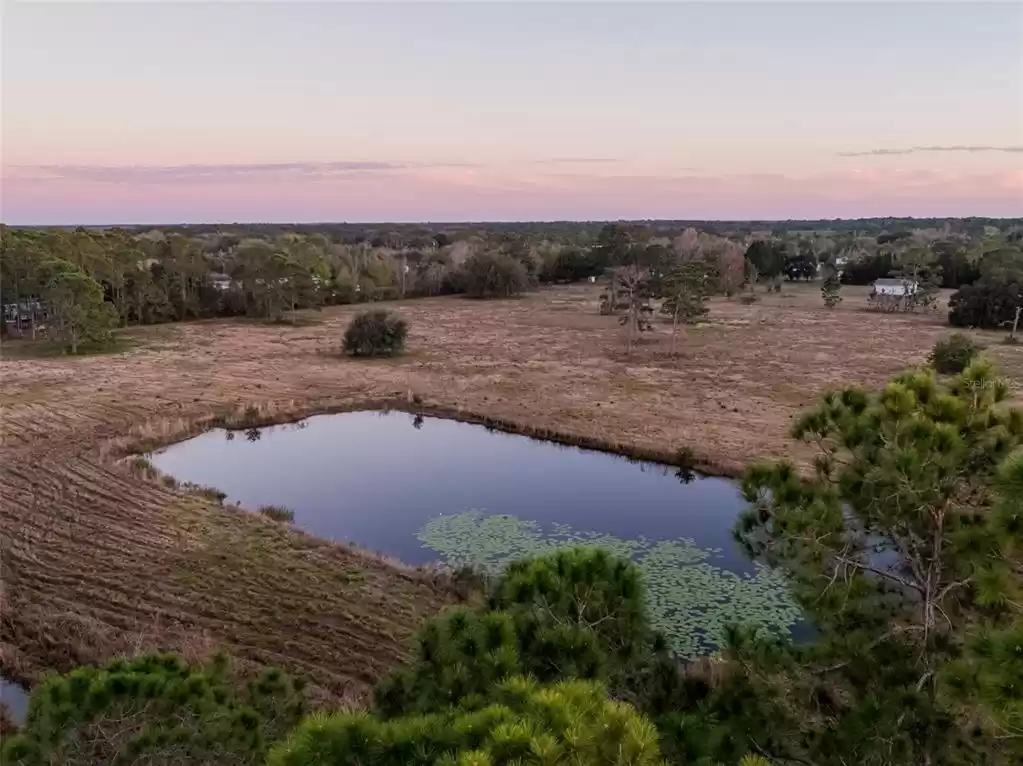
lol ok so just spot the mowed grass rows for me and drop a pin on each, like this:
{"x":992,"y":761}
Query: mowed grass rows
{"x":97,"y":561}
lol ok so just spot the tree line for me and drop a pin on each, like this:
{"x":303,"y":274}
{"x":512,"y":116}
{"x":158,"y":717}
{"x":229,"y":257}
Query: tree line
{"x":75,"y":286}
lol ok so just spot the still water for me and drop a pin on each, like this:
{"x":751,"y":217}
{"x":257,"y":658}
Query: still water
{"x":374,"y":479}
{"x":424,"y":489}
{"x":15,"y":698}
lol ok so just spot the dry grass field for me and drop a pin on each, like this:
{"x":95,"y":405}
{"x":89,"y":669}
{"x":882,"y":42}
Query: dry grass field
{"x":97,"y":561}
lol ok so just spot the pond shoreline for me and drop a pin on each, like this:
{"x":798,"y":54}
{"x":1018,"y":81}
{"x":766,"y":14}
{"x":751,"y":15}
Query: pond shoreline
{"x":241,"y":421}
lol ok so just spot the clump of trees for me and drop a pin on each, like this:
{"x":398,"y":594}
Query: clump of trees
{"x":493,"y":275}
{"x":992,"y":301}
{"x":375,"y":333}
{"x":953,"y":354}
{"x":156,"y":709}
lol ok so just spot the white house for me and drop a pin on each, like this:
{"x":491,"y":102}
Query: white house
{"x":220,"y":281}
{"x":895,"y":287}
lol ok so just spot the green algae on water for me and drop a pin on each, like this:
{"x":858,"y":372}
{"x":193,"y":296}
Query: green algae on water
{"x":690,"y":599}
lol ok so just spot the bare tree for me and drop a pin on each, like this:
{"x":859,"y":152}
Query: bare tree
{"x":633,"y":285}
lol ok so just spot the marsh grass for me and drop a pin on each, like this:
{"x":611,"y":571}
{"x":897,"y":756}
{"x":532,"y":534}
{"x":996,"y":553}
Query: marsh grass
{"x":277,"y":513}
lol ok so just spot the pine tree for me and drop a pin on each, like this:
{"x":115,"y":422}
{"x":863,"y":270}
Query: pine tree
{"x":684,"y":295}
{"x":901,"y":547}
{"x":155,"y":709}
{"x":520,"y":723}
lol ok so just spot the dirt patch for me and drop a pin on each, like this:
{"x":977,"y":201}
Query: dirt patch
{"x":96,"y":561}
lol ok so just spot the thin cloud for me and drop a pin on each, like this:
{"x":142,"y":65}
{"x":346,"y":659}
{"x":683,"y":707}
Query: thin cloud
{"x":916,"y":149}
{"x":211,"y":172}
{"x":214,"y":173}
{"x":577,"y":161}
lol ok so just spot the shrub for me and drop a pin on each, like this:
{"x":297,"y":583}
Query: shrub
{"x":375,"y":333}
{"x":576,"y":613}
{"x":523,"y":723}
{"x":493,"y":275}
{"x":210,"y":493}
{"x":831,"y":288}
{"x":277,"y":512}
{"x":156,"y":709}
{"x":953,"y":354}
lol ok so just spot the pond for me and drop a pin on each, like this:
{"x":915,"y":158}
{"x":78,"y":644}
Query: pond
{"x":15,"y":698}
{"x":424,"y":489}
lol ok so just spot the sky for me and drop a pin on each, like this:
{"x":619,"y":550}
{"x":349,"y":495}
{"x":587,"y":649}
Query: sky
{"x":167,"y":112}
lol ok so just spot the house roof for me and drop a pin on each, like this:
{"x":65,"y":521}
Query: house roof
{"x":889,"y":282}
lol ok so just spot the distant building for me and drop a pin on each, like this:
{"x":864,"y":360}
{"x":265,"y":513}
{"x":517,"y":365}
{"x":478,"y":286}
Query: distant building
{"x":895,"y":287}
{"x":220,"y":282}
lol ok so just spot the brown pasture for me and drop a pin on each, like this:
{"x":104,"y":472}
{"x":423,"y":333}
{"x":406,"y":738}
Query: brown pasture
{"x":98,"y":560}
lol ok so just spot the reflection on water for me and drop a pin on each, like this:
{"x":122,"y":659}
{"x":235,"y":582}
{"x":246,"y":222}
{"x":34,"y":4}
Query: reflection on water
{"x":376,"y":478}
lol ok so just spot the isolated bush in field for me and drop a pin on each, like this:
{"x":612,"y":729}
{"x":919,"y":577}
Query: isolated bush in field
{"x":493,"y":275}
{"x":953,"y":354}
{"x":277,"y":512}
{"x":155,"y":709}
{"x":522,"y":723}
{"x":375,"y":333}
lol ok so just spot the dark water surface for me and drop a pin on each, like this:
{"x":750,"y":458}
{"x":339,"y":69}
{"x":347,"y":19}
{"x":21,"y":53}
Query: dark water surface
{"x":374,"y":479}
{"x":15,"y":697}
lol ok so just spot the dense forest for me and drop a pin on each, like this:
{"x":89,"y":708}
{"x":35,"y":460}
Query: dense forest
{"x":74,"y":286}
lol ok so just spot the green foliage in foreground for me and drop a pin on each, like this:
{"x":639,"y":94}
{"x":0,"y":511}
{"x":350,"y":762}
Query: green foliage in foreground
{"x":577,"y":613}
{"x":906,"y":550}
{"x":155,"y":709}
{"x":571,"y":723}
{"x":953,"y":354}
{"x":689,"y":599}
{"x":375,"y":333}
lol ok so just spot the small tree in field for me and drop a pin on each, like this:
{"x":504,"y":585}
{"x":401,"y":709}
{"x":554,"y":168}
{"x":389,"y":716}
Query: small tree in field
{"x":684,"y":295}
{"x":375,"y":333}
{"x":831,"y":291}
{"x":633,"y":288}
{"x":831,"y":286}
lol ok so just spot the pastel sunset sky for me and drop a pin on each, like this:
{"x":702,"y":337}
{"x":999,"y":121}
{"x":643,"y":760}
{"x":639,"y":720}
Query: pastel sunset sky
{"x":172,"y":112}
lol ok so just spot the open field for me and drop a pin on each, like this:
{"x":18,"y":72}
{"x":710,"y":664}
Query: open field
{"x":96,"y":561}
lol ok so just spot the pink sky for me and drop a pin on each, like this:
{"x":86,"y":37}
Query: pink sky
{"x":121,"y":113}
